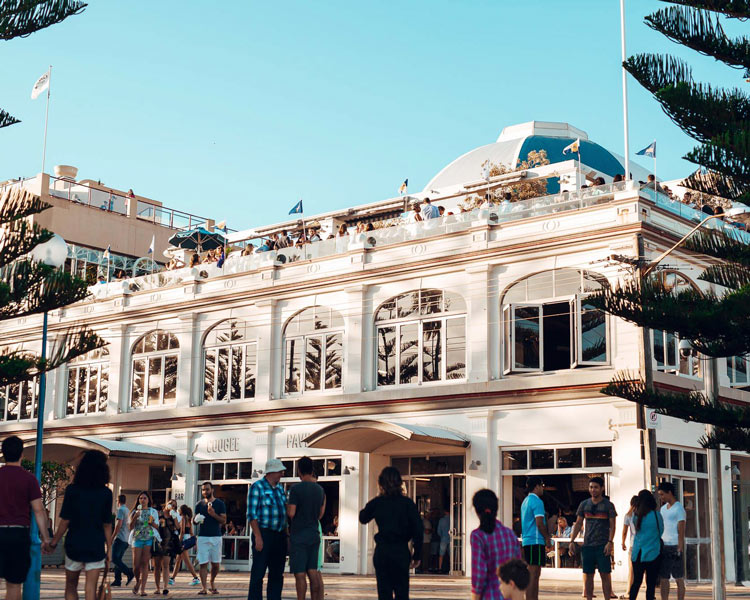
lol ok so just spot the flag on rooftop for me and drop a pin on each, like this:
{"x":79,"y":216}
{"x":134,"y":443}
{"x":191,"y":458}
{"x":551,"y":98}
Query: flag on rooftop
{"x":41,"y":84}
{"x":404,"y":186}
{"x":649,"y":150}
{"x":106,"y":252}
{"x":222,"y":226}
{"x":151,"y":247}
{"x":297,"y":208}
{"x":574,"y":147}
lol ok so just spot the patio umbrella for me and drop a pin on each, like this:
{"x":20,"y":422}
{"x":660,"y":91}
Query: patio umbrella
{"x":199,"y":239}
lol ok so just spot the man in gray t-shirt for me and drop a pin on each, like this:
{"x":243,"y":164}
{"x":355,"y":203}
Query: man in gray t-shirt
{"x":120,"y":544}
{"x":305,"y":507}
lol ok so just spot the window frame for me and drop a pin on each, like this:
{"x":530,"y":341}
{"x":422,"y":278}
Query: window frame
{"x":5,"y":391}
{"x":148,"y":357}
{"x":75,"y":366}
{"x":230,"y":345}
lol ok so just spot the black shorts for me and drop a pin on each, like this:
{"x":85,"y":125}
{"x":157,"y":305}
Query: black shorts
{"x":535,"y":555}
{"x":672,"y":563}
{"x":15,"y":553}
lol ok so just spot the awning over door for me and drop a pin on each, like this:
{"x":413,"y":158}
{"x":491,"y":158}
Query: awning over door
{"x":382,"y":437}
{"x":66,"y":448}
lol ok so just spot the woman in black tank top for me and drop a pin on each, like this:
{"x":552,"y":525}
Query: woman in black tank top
{"x":187,"y":541}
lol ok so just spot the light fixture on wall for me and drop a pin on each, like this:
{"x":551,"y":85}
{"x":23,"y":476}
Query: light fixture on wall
{"x":348,"y":470}
{"x":257,"y":473}
{"x":475,"y":464}
{"x":176,"y":476}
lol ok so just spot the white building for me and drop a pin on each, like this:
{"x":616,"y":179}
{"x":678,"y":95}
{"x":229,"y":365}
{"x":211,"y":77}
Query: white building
{"x":461,"y":350}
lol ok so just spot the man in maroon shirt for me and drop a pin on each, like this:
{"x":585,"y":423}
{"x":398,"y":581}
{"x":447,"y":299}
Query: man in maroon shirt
{"x":19,"y":495}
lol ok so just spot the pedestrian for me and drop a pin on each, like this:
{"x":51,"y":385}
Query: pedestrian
{"x":628,"y":532}
{"x":306,"y":505}
{"x":426,"y":541}
{"x":142,"y":522}
{"x":645,"y":551}
{"x":514,"y":579}
{"x":86,"y":518}
{"x":320,"y":550}
{"x":672,"y":561}
{"x":164,"y":550}
{"x":266,"y":513}
{"x":398,"y":523}
{"x":120,"y":543}
{"x":214,"y":513}
{"x":535,"y":537}
{"x":20,"y":496}
{"x":444,"y":540}
{"x":598,"y":540}
{"x":429,"y":211}
{"x":492,"y":544}
{"x":187,"y":540}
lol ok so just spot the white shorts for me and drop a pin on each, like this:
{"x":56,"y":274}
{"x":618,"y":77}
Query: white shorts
{"x":209,"y":549}
{"x":74,"y":565}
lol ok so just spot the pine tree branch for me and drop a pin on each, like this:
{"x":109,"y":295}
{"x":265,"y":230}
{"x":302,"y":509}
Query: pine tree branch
{"x":701,"y":30}
{"x":735,"y":9}
{"x":6,"y":120}
{"x":720,"y":244}
{"x":18,"y":239}
{"x":728,"y":276}
{"x":656,"y":71}
{"x":21,"y":18}
{"x":716,"y":184}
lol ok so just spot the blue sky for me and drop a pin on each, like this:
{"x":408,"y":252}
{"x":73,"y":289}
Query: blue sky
{"x":236,"y":110}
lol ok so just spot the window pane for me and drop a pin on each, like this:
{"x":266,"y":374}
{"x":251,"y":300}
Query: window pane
{"x":27,"y":400}
{"x":527,"y":331}
{"x":689,"y":503}
{"x":671,"y":349}
{"x":386,"y":355}
{"x":162,"y":341}
{"x":387,"y":311}
{"x":250,"y":366}
{"x":13,"y":392}
{"x":431,"y":302}
{"x":432,"y":351}
{"x":313,"y":362}
{"x":149,"y":342}
{"x":515,"y":459}
{"x":334,"y":357}
{"x":507,"y":324}
{"x":740,"y":369}
{"x":333,"y":466}
{"x":139,"y":377}
{"x":70,"y":404}
{"x":236,"y":372}
{"x":246,"y":470}
{"x":599,"y":457}
{"x":217,"y":471}
{"x":3,"y":390}
{"x":170,"y":378}
{"x":81,"y":395}
{"x":103,"y":388}
{"x":409,"y":344}
{"x":288,"y":468}
{"x":319,"y":466}
{"x":674,"y":460}
{"x":658,"y":347}
{"x":292,"y":369}
{"x":93,"y":385}
{"x":231,"y":471}
{"x":455,"y":344}
{"x":593,"y":334}
{"x":154,"y":380}
{"x":542,"y":459}
{"x":661,"y":457}
{"x":222,"y":379}
{"x":209,"y":376}
{"x":407,"y":304}
{"x":204,"y":471}
{"x":703,"y":515}
{"x":700,"y":463}
{"x":687,"y":461}
{"x":569,"y":458}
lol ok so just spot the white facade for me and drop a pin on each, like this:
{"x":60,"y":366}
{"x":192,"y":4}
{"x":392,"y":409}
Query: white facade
{"x":464,"y":387}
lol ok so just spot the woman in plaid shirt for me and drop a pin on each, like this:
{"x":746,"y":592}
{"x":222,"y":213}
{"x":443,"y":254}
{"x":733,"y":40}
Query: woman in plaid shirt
{"x":492,"y":544}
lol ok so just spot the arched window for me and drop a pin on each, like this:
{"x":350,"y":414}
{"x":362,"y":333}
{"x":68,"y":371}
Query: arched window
{"x":88,"y":383}
{"x":18,"y":401}
{"x":549,"y":325}
{"x":318,"y":333}
{"x":230,"y":357}
{"x":421,"y":337}
{"x":154,"y":379}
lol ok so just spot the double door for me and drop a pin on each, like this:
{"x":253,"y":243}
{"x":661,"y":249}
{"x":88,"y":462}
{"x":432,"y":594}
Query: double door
{"x":693,"y":493}
{"x":439,"y":497}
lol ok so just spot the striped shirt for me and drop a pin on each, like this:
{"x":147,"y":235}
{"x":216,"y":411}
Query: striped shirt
{"x":488,"y":552}
{"x":267,"y":505}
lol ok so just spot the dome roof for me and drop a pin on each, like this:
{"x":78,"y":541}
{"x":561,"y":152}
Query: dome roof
{"x":515,"y":143}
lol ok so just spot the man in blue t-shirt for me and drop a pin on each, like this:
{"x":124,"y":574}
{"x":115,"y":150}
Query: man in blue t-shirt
{"x":120,"y":544}
{"x":214,"y":513}
{"x":534,"y":536}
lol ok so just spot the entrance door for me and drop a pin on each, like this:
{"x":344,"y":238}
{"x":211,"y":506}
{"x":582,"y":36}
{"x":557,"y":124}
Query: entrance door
{"x":457,"y":524}
{"x":697,"y":540}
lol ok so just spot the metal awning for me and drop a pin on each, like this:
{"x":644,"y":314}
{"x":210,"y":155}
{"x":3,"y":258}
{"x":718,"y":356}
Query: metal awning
{"x":114,"y":448}
{"x":364,"y":435}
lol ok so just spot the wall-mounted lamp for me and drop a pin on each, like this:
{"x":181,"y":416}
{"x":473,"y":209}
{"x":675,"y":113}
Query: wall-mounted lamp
{"x":257,"y":473}
{"x":735,"y":470}
{"x":475,"y":464}
{"x":176,"y":476}
{"x":348,"y":470}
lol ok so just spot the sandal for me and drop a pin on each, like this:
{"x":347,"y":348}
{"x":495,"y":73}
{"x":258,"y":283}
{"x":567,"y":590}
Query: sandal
{"x":203,"y":593}
{"x":214,"y":591}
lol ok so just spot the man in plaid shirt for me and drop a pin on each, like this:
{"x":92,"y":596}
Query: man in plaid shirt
{"x":266,"y":512}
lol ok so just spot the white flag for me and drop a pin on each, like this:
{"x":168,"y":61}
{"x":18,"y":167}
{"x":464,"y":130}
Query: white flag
{"x":151,"y":247}
{"x":41,"y":84}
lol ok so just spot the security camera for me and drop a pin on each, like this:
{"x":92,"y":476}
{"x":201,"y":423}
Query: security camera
{"x":686,"y":348}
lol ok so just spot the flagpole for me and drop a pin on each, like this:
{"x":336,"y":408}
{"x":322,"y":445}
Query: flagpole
{"x":655,"y":166}
{"x":46,"y":118}
{"x":580,"y":170}
{"x":624,"y":91}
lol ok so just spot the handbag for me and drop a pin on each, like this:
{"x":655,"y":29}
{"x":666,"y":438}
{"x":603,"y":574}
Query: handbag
{"x":188,"y":543}
{"x":104,"y":592}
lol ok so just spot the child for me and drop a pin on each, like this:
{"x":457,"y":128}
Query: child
{"x":514,"y":577}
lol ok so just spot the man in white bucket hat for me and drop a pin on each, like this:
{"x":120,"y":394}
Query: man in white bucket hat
{"x":266,"y":512}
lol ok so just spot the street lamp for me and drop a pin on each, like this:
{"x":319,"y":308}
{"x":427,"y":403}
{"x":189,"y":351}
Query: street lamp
{"x":711,"y":389}
{"x":53,"y":253}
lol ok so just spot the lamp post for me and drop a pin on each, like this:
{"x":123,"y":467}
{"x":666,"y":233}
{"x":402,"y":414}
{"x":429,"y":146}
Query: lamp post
{"x":52,"y":253}
{"x":711,"y":390}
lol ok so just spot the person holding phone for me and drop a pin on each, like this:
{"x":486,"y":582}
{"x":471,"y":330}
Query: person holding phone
{"x":143,"y":521}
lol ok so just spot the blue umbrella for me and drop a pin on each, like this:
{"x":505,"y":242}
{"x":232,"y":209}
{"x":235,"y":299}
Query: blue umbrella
{"x":199,"y":239}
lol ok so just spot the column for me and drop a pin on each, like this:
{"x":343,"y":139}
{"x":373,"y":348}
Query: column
{"x":119,"y":369}
{"x":191,"y":358}
{"x":356,"y":366}
{"x":270,"y":353}
{"x":477,"y":324}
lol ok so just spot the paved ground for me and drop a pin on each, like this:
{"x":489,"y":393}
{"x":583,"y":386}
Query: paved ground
{"x":353,"y":587}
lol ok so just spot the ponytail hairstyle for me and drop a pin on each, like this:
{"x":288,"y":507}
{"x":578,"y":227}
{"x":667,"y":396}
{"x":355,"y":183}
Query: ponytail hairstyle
{"x":485,"y":504}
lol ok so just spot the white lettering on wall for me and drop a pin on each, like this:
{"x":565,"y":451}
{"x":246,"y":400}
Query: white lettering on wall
{"x":220,"y":445}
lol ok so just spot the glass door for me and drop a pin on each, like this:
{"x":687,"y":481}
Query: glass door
{"x":694,"y":496}
{"x":457,"y":525}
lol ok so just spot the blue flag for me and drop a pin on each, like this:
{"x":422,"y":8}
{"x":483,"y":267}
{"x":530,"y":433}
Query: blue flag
{"x":296,"y":209}
{"x":649,"y":150}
